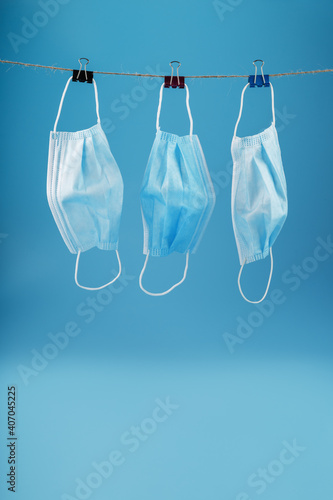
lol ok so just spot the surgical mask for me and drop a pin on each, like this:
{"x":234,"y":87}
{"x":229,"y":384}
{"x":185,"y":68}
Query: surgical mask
{"x":177,"y":196}
{"x":84,"y":189}
{"x":259,"y":194}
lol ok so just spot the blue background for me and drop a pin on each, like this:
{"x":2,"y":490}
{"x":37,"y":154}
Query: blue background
{"x":237,"y":404}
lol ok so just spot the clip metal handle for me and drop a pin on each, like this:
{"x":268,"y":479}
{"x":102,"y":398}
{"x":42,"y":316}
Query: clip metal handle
{"x":169,"y":80}
{"x":83,"y":76}
{"x":258,"y":80}
{"x":256,"y":69}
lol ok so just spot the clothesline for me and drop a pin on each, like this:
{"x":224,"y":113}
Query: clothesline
{"x":146,"y":75}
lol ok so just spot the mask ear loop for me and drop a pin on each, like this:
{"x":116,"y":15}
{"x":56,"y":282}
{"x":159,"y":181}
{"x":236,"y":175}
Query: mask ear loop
{"x":189,"y":109}
{"x":170,"y":289}
{"x":100,"y":287}
{"x":159,"y":108}
{"x":241,"y":107}
{"x":273,"y":108}
{"x":268,"y":284}
{"x":187,"y":106}
{"x":96,"y":100}
{"x":62,"y":101}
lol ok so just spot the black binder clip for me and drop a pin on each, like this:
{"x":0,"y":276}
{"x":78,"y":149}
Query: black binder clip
{"x":258,"y":80}
{"x":174,"y":82}
{"x":83,"y":76}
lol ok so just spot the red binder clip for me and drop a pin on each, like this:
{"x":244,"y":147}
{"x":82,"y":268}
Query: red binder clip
{"x":174,"y":82}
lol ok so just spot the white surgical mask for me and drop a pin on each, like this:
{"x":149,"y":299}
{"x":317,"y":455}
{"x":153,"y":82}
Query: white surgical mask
{"x":259,"y":194}
{"x":84,"y":189}
{"x":177,"y":196}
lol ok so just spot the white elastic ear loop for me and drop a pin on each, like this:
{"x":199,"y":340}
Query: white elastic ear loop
{"x":189,"y":109}
{"x":268,"y":284}
{"x":273,"y":109}
{"x":100,"y":287}
{"x":241,"y":106}
{"x":187,"y":106}
{"x":240,"y":109}
{"x":159,"y":108}
{"x":170,"y":289}
{"x":62,"y":101}
{"x":97,"y":103}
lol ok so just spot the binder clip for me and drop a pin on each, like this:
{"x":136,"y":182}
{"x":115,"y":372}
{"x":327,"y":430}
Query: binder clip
{"x":83,"y":76}
{"x":258,"y":80}
{"x":174,"y":82}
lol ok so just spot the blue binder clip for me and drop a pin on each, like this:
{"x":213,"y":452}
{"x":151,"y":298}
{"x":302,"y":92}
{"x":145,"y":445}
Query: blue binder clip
{"x":258,"y":80}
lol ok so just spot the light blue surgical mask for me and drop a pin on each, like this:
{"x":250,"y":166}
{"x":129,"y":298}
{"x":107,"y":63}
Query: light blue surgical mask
{"x":177,"y":195}
{"x":84,"y":189}
{"x":259,"y":194}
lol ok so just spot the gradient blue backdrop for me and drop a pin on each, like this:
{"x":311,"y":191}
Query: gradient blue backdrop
{"x":237,"y":405}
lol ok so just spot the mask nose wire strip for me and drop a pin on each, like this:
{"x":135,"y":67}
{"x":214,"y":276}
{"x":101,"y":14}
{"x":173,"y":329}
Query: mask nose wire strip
{"x":170,"y":289}
{"x":62,"y":101}
{"x":268,"y":284}
{"x":187,"y":106}
{"x":100,"y":287}
{"x":241,"y":106}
